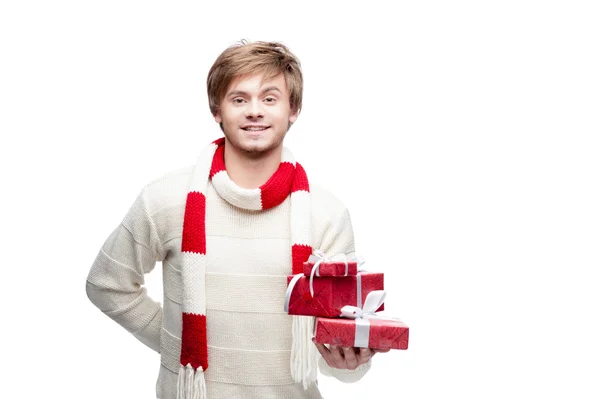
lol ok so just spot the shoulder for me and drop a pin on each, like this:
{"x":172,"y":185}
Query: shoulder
{"x":168,"y":189}
{"x":325,"y":204}
{"x":331,"y":223}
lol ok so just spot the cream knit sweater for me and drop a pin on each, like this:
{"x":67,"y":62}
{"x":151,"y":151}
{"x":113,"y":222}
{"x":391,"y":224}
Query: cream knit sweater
{"x":248,"y":254}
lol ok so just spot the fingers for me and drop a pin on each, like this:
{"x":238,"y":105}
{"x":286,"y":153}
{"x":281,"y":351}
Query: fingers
{"x":380,"y":350}
{"x":323,"y":350}
{"x":364,"y":355}
{"x":332,"y":355}
{"x":337,"y":357}
{"x":351,"y":358}
{"x":346,"y":357}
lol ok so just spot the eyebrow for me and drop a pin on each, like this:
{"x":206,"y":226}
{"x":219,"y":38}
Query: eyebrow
{"x":241,"y":93}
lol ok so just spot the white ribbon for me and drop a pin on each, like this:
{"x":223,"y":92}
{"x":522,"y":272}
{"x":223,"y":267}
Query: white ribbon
{"x":372,"y":302}
{"x":319,"y":257}
{"x":290,"y":288}
{"x":362,"y":315}
{"x":358,"y":291}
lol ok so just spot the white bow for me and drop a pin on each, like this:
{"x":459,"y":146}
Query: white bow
{"x":361,"y":316}
{"x":372,"y":302}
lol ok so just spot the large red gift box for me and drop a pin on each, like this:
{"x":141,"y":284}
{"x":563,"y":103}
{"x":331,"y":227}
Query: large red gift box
{"x":382,"y":334}
{"x":332,"y":268}
{"x":331,"y":294}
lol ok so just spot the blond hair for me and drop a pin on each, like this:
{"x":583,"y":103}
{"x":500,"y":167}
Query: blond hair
{"x":267,"y":58}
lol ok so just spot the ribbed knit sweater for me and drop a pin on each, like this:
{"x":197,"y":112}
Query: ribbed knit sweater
{"x":248,"y":257}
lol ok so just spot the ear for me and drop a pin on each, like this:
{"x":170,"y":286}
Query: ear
{"x":293,"y":116}
{"x":218,"y":118}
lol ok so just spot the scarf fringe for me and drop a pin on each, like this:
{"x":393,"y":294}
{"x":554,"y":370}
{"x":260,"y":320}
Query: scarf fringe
{"x":303,"y":362}
{"x":191,"y":384}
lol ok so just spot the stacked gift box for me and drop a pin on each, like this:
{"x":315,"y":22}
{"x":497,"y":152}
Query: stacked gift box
{"x":345,"y":301}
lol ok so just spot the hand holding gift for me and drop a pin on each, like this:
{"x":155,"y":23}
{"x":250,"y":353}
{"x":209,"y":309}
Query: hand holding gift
{"x":346,"y":336}
{"x":345,"y":357}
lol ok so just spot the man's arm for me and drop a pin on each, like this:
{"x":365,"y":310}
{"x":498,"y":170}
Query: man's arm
{"x":339,"y":238}
{"x":115,"y":281}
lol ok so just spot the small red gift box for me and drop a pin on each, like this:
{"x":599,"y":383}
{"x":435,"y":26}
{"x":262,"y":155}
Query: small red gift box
{"x":330,"y":293}
{"x":332,"y":269}
{"x":336,"y":266}
{"x":376,"y":333}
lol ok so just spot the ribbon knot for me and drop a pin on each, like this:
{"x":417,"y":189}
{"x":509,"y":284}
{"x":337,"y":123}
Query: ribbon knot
{"x":362,"y":316}
{"x":372,"y":302}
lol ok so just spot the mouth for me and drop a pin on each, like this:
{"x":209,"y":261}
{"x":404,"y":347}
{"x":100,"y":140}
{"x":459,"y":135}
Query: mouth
{"x":255,"y":128}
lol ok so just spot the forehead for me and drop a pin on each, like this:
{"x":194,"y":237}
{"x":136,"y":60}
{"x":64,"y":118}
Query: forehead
{"x":255,"y":83}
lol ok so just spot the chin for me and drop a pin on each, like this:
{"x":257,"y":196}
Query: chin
{"x":256,"y":145}
{"x":256,"y":148}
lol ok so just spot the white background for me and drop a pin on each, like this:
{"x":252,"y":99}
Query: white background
{"x":462,"y":136}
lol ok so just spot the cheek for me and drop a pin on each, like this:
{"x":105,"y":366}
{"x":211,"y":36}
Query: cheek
{"x":281,"y":115}
{"x":229,"y":116}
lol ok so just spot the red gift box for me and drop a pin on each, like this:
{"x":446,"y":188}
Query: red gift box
{"x":332,"y":269}
{"x":382,"y":334}
{"x":331,"y":294}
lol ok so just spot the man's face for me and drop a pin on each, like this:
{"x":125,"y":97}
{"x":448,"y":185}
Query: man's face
{"x":255,"y":117}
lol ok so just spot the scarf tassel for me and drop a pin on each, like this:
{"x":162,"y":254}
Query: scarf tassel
{"x":191,"y":383}
{"x":303,"y":362}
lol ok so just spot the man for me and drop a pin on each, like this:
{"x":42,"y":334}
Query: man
{"x":228,"y":231}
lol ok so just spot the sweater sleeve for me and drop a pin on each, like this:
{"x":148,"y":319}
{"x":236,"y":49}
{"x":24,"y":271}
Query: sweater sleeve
{"x":339,"y":238}
{"x":115,"y":281}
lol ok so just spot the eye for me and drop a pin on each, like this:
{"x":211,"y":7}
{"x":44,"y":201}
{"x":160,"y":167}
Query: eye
{"x":270,"y":99}
{"x":238,"y":100}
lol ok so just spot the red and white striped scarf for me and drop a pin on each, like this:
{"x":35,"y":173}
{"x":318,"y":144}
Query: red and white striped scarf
{"x":289,"y":180}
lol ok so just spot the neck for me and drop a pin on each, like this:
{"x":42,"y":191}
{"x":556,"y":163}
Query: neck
{"x":251,"y":172}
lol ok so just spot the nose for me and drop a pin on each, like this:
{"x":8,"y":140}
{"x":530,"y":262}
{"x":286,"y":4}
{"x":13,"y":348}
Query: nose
{"x":254,"y":110}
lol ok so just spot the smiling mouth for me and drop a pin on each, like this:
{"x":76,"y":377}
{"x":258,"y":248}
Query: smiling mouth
{"x":255,"y":129}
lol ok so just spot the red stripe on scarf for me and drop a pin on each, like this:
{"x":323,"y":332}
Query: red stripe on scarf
{"x":194,"y":238}
{"x":193,"y":341}
{"x":218,"y":162}
{"x":300,"y":254}
{"x":300,"y":180}
{"x":278,"y":187}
